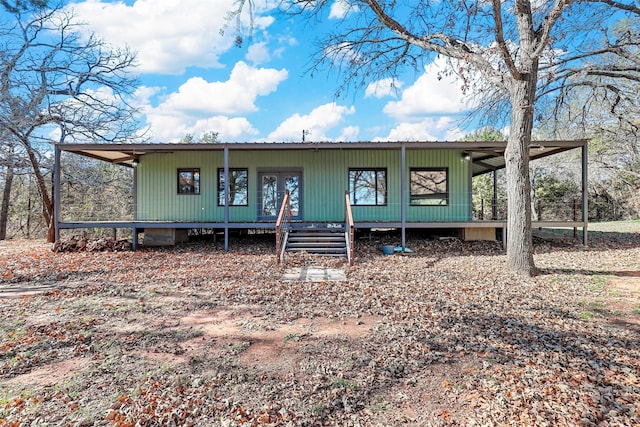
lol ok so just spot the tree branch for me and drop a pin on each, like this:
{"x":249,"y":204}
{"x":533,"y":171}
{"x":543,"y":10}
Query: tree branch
{"x":499,"y":33}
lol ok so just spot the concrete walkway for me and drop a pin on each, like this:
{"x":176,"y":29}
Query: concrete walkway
{"x":314,"y":274}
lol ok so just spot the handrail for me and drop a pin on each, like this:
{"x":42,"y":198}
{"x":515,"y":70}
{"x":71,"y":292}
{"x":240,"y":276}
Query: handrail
{"x":282,"y":226}
{"x":349,"y":227}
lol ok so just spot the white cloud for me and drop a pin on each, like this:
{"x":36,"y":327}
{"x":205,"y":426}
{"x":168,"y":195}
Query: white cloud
{"x":318,"y":122}
{"x":454,"y":134}
{"x":143,"y":94}
{"x":430,"y":95}
{"x":237,"y":95}
{"x":382,"y":88}
{"x":168,"y":35}
{"x":200,"y":106}
{"x":229,"y":129}
{"x":258,"y":53}
{"x":168,"y":128}
{"x":349,"y":134}
{"x":427,"y":129}
{"x":340,"y":9}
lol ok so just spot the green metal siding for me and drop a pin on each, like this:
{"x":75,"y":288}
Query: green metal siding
{"x":157,"y":187}
{"x":324,"y":182}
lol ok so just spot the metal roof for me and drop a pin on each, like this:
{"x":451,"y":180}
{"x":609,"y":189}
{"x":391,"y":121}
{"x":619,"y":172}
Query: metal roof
{"x":486,"y":156}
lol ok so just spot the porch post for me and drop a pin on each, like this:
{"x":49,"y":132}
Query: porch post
{"x":494,"y":197}
{"x":470,"y":181}
{"x":134,"y":229}
{"x":585,"y":192}
{"x":56,"y":192}
{"x":226,"y":198}
{"x":403,"y":193}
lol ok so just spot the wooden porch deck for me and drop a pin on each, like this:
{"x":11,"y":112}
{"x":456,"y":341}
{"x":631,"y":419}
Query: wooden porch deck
{"x":139,"y":226}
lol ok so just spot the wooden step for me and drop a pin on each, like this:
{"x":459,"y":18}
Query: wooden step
{"x":319,"y":226}
{"x":318,"y":240}
{"x":295,"y":238}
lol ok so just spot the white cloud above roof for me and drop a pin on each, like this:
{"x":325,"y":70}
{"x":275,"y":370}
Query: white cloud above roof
{"x":169,"y":128}
{"x":431,"y":94}
{"x":200,"y":106}
{"x":188,"y":87}
{"x":426,"y":129}
{"x":349,"y":134}
{"x":318,"y":122}
{"x":168,"y":35}
{"x":237,"y":95}
{"x":230,"y":129}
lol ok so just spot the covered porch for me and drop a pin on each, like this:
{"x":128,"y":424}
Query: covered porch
{"x":482,"y":158}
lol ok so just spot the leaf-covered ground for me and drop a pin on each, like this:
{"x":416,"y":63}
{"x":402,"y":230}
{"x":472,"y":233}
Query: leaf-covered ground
{"x":444,"y":336}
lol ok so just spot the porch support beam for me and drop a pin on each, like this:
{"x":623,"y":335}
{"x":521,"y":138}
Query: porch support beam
{"x":469,"y":165}
{"x":403,"y":193}
{"x":226,"y":198}
{"x":585,"y":193}
{"x":494,"y":197}
{"x":56,"y":192}
{"x":134,"y":229}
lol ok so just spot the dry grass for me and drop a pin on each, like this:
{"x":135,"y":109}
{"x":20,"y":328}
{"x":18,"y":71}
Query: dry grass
{"x":444,"y":336}
{"x":632,"y":226}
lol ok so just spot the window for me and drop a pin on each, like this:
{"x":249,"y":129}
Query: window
{"x":188,"y":181}
{"x":429,"y":187}
{"x":238,"y":187}
{"x":368,"y":187}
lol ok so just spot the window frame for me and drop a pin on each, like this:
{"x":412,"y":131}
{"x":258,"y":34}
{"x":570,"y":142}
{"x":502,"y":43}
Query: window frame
{"x":353,"y":199}
{"x":220,"y":187}
{"x":434,"y":196}
{"x":195,"y":177}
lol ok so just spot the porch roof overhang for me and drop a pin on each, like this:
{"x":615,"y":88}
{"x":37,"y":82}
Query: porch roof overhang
{"x":485,"y":156}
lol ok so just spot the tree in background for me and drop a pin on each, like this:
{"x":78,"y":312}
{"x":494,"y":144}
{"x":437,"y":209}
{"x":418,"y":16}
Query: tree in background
{"x":209,"y":137}
{"x":609,"y":116}
{"x":52,"y":80}
{"x":483,"y":188}
{"x":554,"y":197}
{"x":615,"y":168}
{"x":8,"y":166}
{"x":95,"y":190}
{"x":25,"y":217}
{"x":510,"y":54}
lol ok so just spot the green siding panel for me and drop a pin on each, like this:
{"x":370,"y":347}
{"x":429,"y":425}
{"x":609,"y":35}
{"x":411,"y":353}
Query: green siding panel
{"x":324,"y":182}
{"x":158,"y":198}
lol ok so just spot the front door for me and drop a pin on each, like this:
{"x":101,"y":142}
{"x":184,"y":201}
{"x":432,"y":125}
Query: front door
{"x":272,"y":189}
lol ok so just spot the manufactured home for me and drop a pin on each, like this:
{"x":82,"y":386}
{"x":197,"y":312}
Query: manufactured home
{"x":332,"y":187}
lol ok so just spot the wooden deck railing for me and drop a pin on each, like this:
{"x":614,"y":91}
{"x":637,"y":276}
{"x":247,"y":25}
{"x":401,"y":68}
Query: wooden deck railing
{"x":282,"y":226}
{"x":349,"y":227}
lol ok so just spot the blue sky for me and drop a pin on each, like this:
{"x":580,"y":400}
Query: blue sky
{"x":195,"y":80}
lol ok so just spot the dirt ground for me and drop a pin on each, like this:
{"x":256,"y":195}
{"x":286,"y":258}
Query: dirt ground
{"x":445,"y":335}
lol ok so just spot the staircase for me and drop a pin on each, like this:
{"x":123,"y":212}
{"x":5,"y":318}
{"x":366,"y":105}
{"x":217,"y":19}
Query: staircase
{"x":322,"y":239}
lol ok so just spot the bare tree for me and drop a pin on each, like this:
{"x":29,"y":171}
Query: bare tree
{"x":7,"y":172}
{"x":51,"y":78}
{"x":509,"y":53}
{"x":606,"y":110}
{"x":209,"y":137}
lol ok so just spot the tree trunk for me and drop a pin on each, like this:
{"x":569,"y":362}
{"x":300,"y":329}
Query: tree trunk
{"x":519,"y":240}
{"x":47,"y":200}
{"x":51,"y":230}
{"x":4,"y":209}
